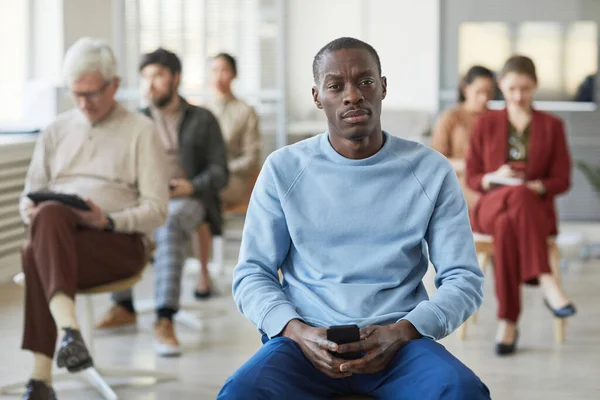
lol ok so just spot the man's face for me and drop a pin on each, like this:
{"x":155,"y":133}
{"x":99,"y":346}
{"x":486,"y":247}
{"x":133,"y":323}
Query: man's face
{"x":159,"y":84}
{"x":350,"y":92}
{"x":94,"y":96}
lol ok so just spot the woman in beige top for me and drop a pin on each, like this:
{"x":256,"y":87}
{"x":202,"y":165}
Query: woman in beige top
{"x":452,"y":132}
{"x":239,"y":126}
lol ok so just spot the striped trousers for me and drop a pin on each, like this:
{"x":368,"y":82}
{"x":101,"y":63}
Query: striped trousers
{"x":172,"y":239}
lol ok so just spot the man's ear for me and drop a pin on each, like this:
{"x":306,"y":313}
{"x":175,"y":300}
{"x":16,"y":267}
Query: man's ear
{"x":383,"y":87}
{"x":115,"y":84}
{"x":315,"y":94}
{"x":176,"y":79}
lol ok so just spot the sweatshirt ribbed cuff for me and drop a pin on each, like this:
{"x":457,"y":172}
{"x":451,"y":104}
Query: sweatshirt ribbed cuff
{"x":277,"y":318}
{"x":427,"y":321}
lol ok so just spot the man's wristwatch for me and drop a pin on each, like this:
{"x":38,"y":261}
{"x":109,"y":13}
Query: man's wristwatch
{"x":110,"y":227}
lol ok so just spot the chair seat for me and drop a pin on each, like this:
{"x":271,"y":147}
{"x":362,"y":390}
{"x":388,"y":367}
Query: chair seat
{"x":484,"y":246}
{"x":488,"y":239}
{"x":482,"y":237}
{"x":117,"y":286}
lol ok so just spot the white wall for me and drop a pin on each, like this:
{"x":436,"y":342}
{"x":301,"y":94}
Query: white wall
{"x":405,"y":33}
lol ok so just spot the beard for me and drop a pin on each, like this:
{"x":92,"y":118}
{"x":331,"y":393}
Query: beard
{"x":162,"y":101}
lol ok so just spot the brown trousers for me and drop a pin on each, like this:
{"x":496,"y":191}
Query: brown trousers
{"x":517,"y":220}
{"x":60,"y":256}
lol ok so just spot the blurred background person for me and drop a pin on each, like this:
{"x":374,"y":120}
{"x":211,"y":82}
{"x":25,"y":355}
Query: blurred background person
{"x":452,"y":132}
{"x":197,"y":169}
{"x":586,"y":91}
{"x":110,"y":156}
{"x":239,"y":124}
{"x":529,"y":145}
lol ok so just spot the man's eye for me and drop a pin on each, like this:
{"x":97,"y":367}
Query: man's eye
{"x":367,"y":82}
{"x":333,"y":87}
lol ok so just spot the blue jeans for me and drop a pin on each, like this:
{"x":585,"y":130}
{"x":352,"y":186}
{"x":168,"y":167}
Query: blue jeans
{"x":422,"y":369}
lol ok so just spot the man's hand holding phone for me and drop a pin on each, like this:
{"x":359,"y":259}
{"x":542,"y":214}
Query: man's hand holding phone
{"x":315,"y":346}
{"x":379,"y":345}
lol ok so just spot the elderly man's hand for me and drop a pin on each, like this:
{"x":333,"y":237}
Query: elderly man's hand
{"x":380,"y":343}
{"x":92,"y":218}
{"x":315,"y":346}
{"x":30,"y":209}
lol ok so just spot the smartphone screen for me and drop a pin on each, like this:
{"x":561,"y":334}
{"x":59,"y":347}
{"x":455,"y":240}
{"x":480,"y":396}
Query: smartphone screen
{"x":343,"y":334}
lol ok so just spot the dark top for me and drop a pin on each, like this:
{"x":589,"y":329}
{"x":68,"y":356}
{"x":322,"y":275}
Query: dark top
{"x":518,"y":144}
{"x":203,"y":157}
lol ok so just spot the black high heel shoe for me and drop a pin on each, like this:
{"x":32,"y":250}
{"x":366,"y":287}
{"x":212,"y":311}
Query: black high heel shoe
{"x":565,"y":312}
{"x":503,"y":349}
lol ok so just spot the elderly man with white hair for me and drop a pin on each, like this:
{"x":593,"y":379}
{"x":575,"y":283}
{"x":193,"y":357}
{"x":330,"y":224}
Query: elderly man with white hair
{"x":113,"y":159}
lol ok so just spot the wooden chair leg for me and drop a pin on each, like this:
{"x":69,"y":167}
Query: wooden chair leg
{"x":483,"y":259}
{"x":554,"y":258}
{"x":559,"y":329}
{"x":462,"y":330}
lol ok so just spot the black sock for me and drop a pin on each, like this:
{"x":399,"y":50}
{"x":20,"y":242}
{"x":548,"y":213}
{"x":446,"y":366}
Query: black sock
{"x":166,"y":312}
{"x":128,"y":305}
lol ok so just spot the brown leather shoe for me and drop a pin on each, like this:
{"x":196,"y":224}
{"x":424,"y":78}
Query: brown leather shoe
{"x":165,"y":341}
{"x":38,"y":390}
{"x":117,"y":317}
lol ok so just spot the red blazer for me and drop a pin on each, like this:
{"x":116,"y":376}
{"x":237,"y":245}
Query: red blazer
{"x":548,"y":155}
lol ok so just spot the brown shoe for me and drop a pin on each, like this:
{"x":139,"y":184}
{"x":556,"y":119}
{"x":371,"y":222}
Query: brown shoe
{"x":117,"y":317}
{"x":165,"y":341}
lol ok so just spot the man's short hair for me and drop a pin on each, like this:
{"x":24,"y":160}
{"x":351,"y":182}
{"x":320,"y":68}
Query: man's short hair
{"x":342,"y":43}
{"x":162,"y":57}
{"x":89,"y":55}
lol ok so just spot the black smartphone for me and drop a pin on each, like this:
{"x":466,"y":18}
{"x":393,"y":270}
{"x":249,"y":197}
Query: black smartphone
{"x":342,"y":334}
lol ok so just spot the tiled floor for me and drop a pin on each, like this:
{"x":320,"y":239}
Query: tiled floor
{"x":541,"y":369}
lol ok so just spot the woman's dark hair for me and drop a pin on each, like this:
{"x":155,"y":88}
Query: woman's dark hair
{"x":476,"y":71}
{"x":230,"y":60}
{"x":520,"y":65}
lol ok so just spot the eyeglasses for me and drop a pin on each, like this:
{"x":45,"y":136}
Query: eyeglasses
{"x":91,"y":96}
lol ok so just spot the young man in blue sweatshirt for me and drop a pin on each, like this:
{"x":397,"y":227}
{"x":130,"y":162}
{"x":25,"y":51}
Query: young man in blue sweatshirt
{"x":351,"y":218}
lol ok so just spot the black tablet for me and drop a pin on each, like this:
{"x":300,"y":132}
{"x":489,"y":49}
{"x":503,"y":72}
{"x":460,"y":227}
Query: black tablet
{"x":70,"y":200}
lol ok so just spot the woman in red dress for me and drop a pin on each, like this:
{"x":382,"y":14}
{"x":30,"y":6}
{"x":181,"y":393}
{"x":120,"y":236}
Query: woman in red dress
{"x":519,"y":161}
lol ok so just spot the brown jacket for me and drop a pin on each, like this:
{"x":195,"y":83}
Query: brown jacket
{"x":451,"y":136}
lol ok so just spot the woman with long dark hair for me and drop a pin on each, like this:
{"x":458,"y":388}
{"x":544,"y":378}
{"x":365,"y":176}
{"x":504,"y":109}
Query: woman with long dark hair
{"x":519,"y":161}
{"x":452,"y":132}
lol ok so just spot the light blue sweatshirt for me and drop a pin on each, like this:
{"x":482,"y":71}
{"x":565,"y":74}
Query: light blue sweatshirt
{"x":353,"y":239}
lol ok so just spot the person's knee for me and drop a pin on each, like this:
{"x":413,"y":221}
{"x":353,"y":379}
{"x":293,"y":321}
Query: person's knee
{"x":49,"y":213}
{"x":521,"y":195}
{"x":262,"y":376}
{"x":176,"y":222}
{"x":240,"y":386}
{"x":462,"y":383}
